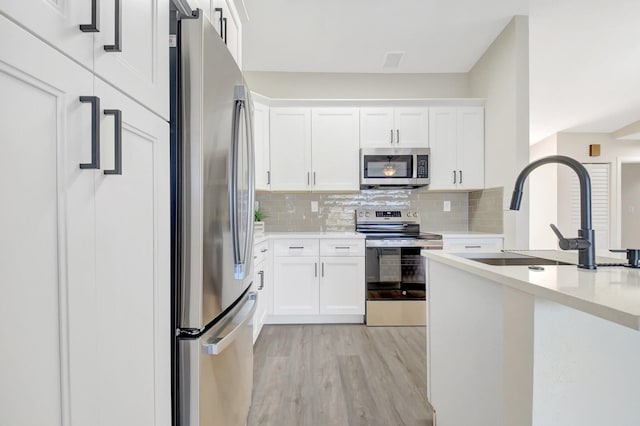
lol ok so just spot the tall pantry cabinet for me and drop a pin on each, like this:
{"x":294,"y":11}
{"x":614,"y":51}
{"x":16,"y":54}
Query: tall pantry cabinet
{"x":84,"y":255}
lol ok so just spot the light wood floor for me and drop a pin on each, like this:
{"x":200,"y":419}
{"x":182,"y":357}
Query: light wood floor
{"x":325,"y":375}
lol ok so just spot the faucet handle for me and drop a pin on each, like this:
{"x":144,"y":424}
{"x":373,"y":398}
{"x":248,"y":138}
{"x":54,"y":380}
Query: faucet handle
{"x":633,"y":256}
{"x":569,"y":243}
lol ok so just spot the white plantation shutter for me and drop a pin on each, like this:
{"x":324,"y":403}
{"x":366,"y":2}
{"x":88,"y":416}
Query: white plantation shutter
{"x":599,"y":173}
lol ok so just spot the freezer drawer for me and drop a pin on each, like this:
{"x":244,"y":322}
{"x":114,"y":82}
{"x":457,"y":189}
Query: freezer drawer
{"x":216,"y":370}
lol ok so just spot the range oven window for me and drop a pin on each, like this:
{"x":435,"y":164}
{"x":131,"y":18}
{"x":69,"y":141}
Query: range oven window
{"x":394,"y":273}
{"x":388,"y":166}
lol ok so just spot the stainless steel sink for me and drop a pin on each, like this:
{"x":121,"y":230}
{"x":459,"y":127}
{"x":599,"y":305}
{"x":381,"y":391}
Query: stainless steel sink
{"x":509,"y":259}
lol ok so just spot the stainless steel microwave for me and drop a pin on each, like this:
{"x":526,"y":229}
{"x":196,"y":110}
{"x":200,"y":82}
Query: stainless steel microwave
{"x":394,"y":167}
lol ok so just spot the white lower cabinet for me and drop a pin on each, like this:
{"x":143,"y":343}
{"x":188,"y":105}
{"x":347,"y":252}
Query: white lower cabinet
{"x":318,"y":280}
{"x":261,"y":285}
{"x":471,"y":243}
{"x":342,"y":285}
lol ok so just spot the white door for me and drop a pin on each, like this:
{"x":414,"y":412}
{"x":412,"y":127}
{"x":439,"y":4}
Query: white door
{"x":376,"y":128}
{"x":443,"y":142}
{"x":141,"y":67}
{"x":600,"y":194}
{"x":132,"y":271}
{"x":261,"y":141}
{"x":290,"y":149}
{"x":59,"y":23}
{"x":411,"y":127}
{"x":46,"y":221}
{"x":335,"y":154}
{"x":470,"y":147}
{"x":342,"y":285}
{"x":296,"y":290}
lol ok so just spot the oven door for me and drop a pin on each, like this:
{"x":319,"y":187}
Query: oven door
{"x":394,"y":273}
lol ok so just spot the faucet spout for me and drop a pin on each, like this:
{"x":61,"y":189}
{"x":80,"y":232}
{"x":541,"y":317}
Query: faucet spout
{"x":586,"y":235}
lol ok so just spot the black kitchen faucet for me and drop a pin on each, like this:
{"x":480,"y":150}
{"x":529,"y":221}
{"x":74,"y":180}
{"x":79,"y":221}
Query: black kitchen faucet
{"x":585,"y":243}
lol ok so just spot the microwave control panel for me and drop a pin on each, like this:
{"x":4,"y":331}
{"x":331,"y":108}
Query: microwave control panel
{"x":423,"y":167}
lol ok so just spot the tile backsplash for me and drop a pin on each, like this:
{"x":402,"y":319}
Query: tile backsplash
{"x":291,"y":211}
{"x":485,"y":210}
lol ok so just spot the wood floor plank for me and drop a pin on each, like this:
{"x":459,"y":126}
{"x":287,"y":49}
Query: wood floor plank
{"x":342,"y":375}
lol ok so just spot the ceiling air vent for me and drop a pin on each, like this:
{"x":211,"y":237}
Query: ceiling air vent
{"x":392,"y":59}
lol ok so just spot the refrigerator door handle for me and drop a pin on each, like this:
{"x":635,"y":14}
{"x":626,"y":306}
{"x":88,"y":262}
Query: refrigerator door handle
{"x":216,"y":344}
{"x":242,"y":254}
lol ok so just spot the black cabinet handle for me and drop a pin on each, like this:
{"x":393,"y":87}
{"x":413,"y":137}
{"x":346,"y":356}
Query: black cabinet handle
{"x":454,"y":177}
{"x":117,"y":45}
{"x":460,"y":175}
{"x":220,"y":20}
{"x":224,"y":37}
{"x":95,"y":132}
{"x":95,"y":18}
{"x":117,"y":117}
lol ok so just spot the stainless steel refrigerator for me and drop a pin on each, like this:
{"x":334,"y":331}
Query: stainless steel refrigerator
{"x":213,"y":197}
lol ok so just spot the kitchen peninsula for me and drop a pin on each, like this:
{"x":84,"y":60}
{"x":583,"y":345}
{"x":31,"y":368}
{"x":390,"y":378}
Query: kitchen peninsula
{"x":511,"y":345}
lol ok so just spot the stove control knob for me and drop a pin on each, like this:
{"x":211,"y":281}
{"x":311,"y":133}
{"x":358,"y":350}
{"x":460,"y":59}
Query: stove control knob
{"x":415,"y":214}
{"x":366,"y":214}
{"x":360,"y":214}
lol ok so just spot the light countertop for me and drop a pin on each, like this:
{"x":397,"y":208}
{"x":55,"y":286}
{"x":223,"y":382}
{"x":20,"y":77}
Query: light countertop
{"x":612,"y":293}
{"x":465,"y":234}
{"x":294,"y":235}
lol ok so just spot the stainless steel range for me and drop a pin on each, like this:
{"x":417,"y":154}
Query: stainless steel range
{"x":394,"y":269}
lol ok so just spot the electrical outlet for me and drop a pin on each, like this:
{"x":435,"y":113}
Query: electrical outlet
{"x":314,"y":206}
{"x":446,"y":207}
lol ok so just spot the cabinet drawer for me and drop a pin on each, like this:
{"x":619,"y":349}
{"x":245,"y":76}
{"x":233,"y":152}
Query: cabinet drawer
{"x":342,"y":247}
{"x":297,"y":247}
{"x":473,"y":244}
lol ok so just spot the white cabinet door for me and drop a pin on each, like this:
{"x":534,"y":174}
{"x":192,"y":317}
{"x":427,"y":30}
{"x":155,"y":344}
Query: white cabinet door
{"x":411,"y":127}
{"x":46,"y":222}
{"x":141,"y":67}
{"x":290,"y":146}
{"x":376,"y":128}
{"x":335,"y":154}
{"x":59,"y":23}
{"x":342,"y":285}
{"x":132,"y":271}
{"x":261,"y":142}
{"x":456,"y":138}
{"x":442,"y":141}
{"x":404,"y":127}
{"x":227,"y":23}
{"x":470,"y":147}
{"x":261,"y":308}
{"x":296,"y":286}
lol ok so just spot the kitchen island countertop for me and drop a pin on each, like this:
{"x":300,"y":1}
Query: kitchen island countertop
{"x":612,"y":293}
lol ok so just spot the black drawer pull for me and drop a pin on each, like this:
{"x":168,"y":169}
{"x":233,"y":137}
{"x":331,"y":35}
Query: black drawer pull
{"x":117,"y":42}
{"x":296,"y":247}
{"x":117,"y":118}
{"x":95,"y":19}
{"x":95,"y":132}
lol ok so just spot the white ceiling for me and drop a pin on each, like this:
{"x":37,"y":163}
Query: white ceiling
{"x":584,"y":54}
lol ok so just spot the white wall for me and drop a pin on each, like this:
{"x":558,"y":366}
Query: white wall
{"x":299,"y":85}
{"x":630,"y":205}
{"x":501,"y":76}
{"x":576,"y":145}
{"x":543,"y":198}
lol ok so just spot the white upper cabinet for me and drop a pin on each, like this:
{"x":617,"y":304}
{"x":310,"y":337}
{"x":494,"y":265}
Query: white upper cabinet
{"x":401,"y":127}
{"x":456,"y":138}
{"x":224,"y":17}
{"x":132,"y":50}
{"x":290,"y":149}
{"x":60,"y":24}
{"x":261,"y":144}
{"x":129,"y":49}
{"x":335,"y":155}
{"x":314,"y":149}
